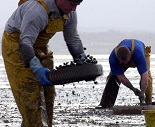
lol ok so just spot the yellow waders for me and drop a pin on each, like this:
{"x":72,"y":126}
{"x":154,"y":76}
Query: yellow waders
{"x":148,"y":92}
{"x":34,"y":102}
{"x":28,"y":93}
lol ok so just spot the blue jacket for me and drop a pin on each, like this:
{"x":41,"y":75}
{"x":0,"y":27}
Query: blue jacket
{"x":138,"y":57}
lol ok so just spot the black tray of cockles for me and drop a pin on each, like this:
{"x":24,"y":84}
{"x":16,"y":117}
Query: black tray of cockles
{"x":75,"y":71}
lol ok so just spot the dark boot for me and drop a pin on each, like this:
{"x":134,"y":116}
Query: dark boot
{"x":110,"y":92}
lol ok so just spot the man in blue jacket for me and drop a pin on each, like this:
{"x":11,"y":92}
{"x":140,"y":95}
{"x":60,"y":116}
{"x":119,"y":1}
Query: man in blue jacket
{"x":27,"y":57}
{"x":128,"y":53}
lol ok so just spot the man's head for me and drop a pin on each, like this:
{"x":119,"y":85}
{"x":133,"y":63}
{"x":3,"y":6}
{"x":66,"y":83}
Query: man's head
{"x":67,"y":6}
{"x":124,"y":54}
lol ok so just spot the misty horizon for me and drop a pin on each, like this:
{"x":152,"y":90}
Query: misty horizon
{"x":100,"y":42}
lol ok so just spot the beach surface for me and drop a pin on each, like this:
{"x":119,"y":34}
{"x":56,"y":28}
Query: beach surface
{"x":75,"y":102}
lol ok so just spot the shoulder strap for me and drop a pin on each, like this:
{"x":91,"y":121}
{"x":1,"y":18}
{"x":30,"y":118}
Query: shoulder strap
{"x":132,"y":48}
{"x":40,"y":1}
{"x":44,"y":5}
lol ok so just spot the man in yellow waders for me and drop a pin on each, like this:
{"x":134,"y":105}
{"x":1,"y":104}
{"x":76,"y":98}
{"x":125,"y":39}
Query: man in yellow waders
{"x":27,"y":57}
{"x":128,"y":53}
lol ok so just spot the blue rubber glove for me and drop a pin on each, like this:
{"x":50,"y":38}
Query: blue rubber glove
{"x":39,"y":71}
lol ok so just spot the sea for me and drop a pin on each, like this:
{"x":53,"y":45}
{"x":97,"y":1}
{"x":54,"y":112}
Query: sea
{"x":75,"y":102}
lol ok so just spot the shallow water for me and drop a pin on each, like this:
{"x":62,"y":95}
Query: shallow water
{"x":75,"y":103}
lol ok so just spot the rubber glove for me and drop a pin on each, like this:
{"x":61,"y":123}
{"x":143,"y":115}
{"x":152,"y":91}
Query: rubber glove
{"x":39,"y":71}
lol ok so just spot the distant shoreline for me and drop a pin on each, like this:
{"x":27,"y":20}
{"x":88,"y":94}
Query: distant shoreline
{"x":100,"y":42}
{"x":62,"y":56}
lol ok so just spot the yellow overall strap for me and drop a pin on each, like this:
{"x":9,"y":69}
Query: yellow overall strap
{"x":44,"y":5}
{"x":40,"y":1}
{"x":132,"y":48}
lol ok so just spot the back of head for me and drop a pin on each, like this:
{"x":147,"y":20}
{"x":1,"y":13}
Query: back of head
{"x":123,"y":52}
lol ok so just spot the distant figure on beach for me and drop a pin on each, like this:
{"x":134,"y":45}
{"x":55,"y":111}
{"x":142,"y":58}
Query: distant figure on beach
{"x":128,"y":53}
{"x":27,"y":56}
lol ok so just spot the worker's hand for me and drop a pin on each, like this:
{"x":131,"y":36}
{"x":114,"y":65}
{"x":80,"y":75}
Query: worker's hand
{"x":80,"y":59}
{"x":142,"y":99}
{"x":41,"y":76}
{"x":137,"y":92}
{"x":39,"y":71}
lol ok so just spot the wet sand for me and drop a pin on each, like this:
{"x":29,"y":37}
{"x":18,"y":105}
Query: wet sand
{"x":75,"y":107}
{"x":75,"y":103}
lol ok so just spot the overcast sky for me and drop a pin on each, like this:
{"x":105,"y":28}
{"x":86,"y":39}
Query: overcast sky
{"x":104,"y":15}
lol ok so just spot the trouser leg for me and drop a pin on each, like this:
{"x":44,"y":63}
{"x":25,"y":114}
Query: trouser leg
{"x":29,"y":98}
{"x":110,"y":92}
{"x":49,"y":91}
{"x":49,"y":100}
{"x":23,"y":124}
{"x":26,"y":89}
{"x":148,"y":92}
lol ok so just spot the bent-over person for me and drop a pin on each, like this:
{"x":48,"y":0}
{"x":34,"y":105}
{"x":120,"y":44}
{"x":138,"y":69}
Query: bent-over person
{"x":128,"y":53}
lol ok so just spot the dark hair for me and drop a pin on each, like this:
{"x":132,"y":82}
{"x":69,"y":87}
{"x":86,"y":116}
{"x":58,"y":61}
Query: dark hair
{"x":123,"y":52}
